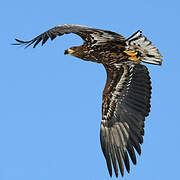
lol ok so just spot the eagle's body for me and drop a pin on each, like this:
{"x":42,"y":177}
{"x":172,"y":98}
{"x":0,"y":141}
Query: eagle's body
{"x":105,"y":54}
{"x":127,"y":93}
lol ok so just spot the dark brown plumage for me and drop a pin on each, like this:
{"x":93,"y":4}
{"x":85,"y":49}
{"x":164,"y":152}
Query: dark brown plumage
{"x":126,"y":96}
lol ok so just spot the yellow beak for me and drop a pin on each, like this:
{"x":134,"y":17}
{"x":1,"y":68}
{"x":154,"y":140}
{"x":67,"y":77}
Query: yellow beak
{"x":69,"y":51}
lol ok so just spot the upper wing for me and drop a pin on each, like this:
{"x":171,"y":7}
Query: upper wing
{"x":89,"y":35}
{"x":126,"y":103}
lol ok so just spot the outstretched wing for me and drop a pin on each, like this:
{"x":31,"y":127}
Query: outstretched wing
{"x":91,"y":36}
{"x":126,"y":103}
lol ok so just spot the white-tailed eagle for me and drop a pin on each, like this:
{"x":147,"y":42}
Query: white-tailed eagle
{"x":127,"y":93}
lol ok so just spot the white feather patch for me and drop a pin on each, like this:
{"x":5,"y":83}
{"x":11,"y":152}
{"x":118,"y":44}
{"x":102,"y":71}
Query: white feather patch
{"x":148,"y":52}
{"x":101,"y":38}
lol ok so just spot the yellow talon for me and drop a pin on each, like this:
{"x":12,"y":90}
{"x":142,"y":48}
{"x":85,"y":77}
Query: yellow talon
{"x":130,"y":52}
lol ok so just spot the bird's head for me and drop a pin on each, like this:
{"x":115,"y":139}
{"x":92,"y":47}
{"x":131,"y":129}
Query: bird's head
{"x":76,"y":51}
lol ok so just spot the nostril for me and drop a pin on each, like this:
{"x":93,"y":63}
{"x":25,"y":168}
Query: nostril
{"x":66,"y":52}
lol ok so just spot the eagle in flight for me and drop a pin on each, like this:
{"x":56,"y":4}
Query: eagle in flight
{"x":127,"y":93}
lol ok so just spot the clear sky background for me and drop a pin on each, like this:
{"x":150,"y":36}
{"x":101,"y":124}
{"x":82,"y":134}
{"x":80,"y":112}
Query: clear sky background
{"x":50,"y":104}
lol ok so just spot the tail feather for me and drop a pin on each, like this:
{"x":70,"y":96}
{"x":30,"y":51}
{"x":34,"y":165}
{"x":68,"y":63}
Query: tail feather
{"x":147,"y":51}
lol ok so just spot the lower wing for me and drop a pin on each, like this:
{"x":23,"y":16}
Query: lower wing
{"x":126,"y":103}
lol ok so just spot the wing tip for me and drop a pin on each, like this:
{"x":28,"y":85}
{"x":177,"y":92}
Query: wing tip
{"x":21,"y":43}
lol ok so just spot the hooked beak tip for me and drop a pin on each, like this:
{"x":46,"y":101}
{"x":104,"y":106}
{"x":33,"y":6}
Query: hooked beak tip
{"x":66,"y":52}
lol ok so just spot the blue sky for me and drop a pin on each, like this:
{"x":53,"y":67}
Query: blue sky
{"x":51,"y":104}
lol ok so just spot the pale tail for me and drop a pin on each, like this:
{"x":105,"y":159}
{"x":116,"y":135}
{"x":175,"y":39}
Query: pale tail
{"x":148,"y":52}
